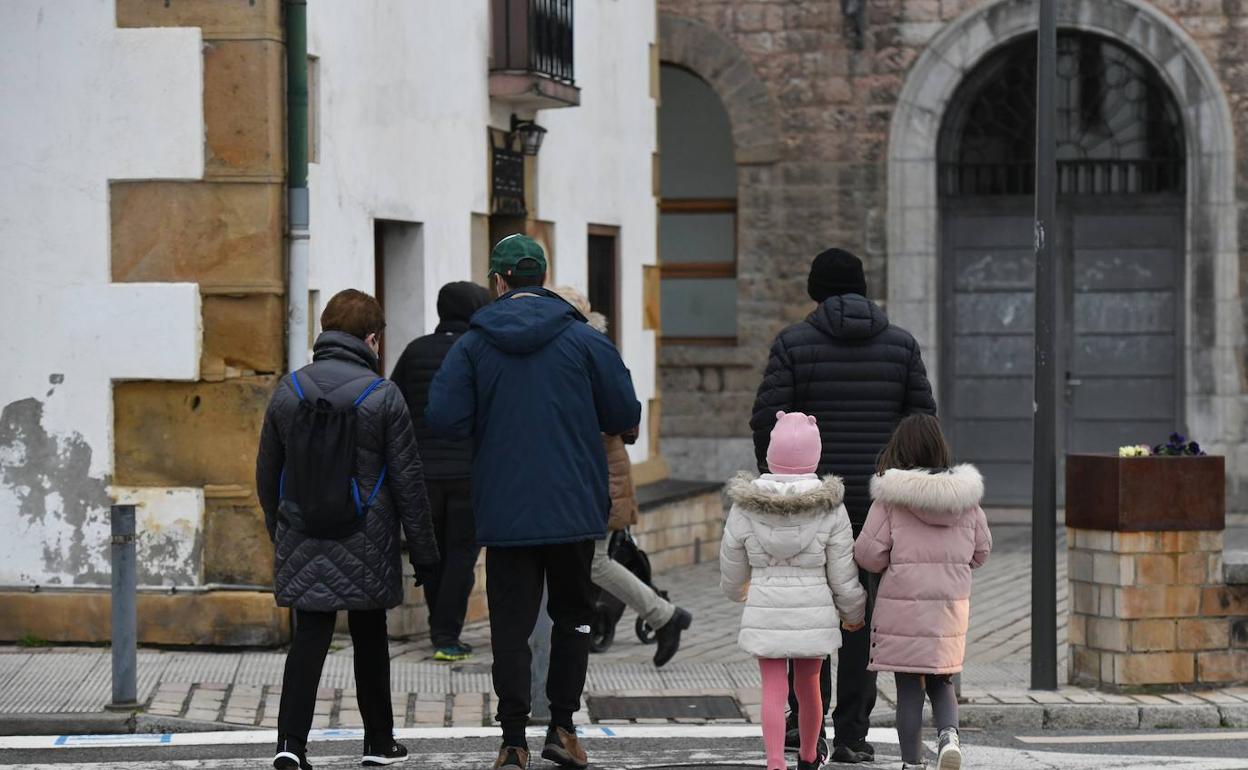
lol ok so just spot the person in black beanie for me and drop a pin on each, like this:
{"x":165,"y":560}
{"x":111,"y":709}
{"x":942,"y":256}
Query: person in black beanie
{"x":448,"y":471}
{"x":858,"y":375}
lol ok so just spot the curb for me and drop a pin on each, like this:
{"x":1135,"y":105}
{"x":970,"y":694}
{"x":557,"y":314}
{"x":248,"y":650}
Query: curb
{"x":1103,"y":716}
{"x":105,"y":723}
{"x":1021,"y":716}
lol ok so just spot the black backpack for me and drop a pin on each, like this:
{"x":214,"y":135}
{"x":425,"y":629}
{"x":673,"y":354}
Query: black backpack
{"x":318,"y":490}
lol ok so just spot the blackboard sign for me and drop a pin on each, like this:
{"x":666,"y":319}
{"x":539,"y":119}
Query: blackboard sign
{"x":508,"y":176}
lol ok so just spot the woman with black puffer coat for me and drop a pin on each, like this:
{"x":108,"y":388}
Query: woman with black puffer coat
{"x":336,"y":431}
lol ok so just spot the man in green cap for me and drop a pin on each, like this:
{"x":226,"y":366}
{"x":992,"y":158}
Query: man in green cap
{"x":517,"y":262}
{"x":535,"y":388}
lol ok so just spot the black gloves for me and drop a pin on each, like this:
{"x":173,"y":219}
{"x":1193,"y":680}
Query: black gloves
{"x":424,"y":572}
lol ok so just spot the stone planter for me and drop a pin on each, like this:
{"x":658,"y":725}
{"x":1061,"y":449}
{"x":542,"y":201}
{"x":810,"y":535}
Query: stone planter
{"x":1149,"y":607}
{"x":1146,"y":494}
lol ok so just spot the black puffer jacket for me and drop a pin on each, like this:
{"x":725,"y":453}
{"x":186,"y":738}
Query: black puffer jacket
{"x":441,"y":458}
{"x":362,"y":571}
{"x":858,"y":375}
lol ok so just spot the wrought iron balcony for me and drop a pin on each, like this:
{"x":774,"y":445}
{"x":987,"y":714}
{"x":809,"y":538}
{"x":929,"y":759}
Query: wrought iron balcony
{"x":532,"y":46}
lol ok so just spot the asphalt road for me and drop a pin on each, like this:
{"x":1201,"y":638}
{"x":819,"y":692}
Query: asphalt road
{"x":691,"y":749}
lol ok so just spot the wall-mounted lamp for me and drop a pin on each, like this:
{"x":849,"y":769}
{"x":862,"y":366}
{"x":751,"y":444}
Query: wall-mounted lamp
{"x":529,"y":134}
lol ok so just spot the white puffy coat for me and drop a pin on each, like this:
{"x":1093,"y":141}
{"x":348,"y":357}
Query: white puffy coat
{"x":788,"y":553}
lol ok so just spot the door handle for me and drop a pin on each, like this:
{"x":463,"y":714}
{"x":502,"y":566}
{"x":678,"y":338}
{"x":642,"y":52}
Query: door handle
{"x":1071,"y":384}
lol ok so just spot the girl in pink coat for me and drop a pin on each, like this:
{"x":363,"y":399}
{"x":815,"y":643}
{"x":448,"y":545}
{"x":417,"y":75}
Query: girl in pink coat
{"x":926,"y":532}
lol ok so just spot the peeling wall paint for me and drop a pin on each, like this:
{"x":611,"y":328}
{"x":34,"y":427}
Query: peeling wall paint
{"x":81,"y":103}
{"x":46,"y":480}
{"x":169,"y":524}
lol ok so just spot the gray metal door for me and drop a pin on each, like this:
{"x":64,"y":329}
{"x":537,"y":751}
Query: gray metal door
{"x":987,"y":324}
{"x":1124,"y":363}
{"x":1122,"y":261}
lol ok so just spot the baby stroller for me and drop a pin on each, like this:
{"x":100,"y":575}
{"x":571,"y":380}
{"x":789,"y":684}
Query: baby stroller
{"x":609,"y":610}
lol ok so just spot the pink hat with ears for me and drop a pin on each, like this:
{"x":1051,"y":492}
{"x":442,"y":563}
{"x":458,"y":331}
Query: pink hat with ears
{"x":796,"y":446}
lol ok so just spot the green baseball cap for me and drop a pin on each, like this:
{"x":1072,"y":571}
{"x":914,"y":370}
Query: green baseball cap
{"x":508,"y":253}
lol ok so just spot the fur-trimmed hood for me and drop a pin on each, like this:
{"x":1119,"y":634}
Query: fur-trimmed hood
{"x":940,"y":494}
{"x":785,"y":495}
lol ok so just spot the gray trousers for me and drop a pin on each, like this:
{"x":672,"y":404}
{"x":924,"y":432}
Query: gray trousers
{"x":615,"y":579}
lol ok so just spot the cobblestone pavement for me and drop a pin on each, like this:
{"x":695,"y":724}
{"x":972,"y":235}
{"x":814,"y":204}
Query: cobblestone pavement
{"x":243,"y":688}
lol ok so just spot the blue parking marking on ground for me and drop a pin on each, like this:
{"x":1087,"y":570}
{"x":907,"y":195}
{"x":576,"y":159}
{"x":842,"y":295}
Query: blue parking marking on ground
{"x":104,"y":740}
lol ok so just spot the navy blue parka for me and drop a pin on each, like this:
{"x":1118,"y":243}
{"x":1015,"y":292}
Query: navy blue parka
{"x":535,"y":388}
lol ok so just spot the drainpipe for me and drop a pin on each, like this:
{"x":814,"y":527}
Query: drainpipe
{"x":297,"y":183}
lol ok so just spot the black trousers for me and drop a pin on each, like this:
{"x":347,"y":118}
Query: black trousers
{"x":313,"y":633}
{"x":855,"y":685}
{"x":446,"y":594}
{"x":514,"y":581}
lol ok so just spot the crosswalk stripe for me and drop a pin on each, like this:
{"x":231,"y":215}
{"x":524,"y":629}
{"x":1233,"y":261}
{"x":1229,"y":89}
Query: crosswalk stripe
{"x":604,"y":758}
{"x":260,"y":737}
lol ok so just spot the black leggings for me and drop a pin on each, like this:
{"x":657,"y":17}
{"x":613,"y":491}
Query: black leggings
{"x":313,"y":633}
{"x":910,"y":689}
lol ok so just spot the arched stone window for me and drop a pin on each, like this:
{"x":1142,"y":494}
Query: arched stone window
{"x":698,"y":211}
{"x":1118,"y":126}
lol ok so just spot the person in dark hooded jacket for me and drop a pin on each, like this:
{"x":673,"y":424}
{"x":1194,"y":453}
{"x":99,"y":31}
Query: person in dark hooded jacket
{"x":859,"y":375}
{"x":535,"y":388}
{"x":361,"y":571}
{"x":448,"y":468}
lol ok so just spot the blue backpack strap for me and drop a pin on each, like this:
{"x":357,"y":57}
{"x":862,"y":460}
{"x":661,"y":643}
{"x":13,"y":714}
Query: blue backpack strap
{"x":381,"y":478}
{"x":294,"y":383}
{"x":371,"y":387}
{"x":362,"y":507}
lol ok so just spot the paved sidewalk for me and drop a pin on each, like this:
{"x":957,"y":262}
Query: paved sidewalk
{"x":243,"y":688}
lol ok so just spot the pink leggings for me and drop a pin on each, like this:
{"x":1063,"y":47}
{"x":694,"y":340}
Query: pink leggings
{"x":775,"y":700}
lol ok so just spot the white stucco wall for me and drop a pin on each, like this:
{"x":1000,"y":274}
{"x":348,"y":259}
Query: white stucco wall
{"x":596,"y":164}
{"x":81,"y":102}
{"x":404,"y":111}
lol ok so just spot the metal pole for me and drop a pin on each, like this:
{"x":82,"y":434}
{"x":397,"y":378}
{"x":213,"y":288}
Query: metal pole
{"x":1044,"y":454}
{"x":539,"y":643}
{"x":297,"y":183}
{"x":124,"y":609}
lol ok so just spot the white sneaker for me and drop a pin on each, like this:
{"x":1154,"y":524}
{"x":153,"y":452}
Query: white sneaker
{"x":949,"y":750}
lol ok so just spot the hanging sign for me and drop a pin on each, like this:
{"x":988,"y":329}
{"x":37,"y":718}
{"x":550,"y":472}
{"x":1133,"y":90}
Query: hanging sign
{"x":508,"y":182}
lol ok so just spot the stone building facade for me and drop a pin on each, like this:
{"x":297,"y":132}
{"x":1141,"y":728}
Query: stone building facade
{"x":845,"y":126}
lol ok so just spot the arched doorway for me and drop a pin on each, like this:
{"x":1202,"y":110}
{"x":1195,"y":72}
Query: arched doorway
{"x":697,"y":212}
{"x":1119,"y":239}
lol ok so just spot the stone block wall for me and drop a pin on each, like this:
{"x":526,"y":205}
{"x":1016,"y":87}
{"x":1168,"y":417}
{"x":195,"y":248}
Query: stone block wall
{"x":1151,"y":610}
{"x":796,"y":84}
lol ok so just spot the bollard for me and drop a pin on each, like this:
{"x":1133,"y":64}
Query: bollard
{"x":539,"y":644}
{"x":124,"y":609}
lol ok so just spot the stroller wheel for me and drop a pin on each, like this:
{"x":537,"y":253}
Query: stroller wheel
{"x":603,"y":634}
{"x":645,"y":634}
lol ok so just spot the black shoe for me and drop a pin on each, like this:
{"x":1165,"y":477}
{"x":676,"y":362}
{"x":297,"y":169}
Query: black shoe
{"x":864,"y":747}
{"x":792,"y":739}
{"x":291,"y":754}
{"x":668,"y":637}
{"x":853,"y":752}
{"x":383,"y":751}
{"x":804,"y":765}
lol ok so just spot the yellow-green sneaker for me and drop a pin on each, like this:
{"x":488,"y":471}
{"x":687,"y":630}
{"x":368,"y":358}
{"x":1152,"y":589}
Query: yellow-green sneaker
{"x":451,"y":654}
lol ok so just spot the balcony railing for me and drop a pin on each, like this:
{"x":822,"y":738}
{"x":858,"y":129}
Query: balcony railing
{"x":534,"y":36}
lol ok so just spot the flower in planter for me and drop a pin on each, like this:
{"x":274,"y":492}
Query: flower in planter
{"x":1134,"y":450}
{"x":1178,"y":446}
